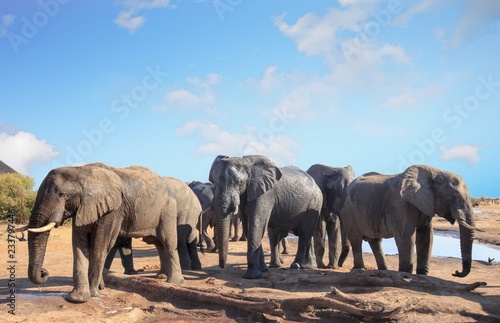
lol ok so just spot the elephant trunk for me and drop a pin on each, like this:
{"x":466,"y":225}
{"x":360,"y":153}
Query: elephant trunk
{"x":466,"y":240}
{"x":222,"y":229}
{"x":37,"y":244}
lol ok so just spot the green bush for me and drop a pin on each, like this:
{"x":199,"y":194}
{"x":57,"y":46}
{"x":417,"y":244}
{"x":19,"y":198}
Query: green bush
{"x":16,"y":192}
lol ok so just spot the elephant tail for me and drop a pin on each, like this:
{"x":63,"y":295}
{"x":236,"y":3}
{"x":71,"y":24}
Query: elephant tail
{"x":200,"y":232}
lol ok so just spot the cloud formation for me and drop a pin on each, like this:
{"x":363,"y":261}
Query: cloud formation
{"x":23,"y":150}
{"x":461,"y":152}
{"x":130,"y":17}
{"x":5,"y":22}
{"x":215,"y":141}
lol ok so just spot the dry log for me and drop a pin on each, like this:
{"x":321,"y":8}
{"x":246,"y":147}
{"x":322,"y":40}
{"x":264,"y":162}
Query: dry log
{"x":276,"y":307}
{"x":380,"y":278}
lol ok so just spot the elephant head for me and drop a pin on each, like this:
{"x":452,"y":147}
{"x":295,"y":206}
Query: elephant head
{"x":84,"y":193}
{"x":238,"y":180}
{"x":433,"y":191}
{"x":332,"y":181}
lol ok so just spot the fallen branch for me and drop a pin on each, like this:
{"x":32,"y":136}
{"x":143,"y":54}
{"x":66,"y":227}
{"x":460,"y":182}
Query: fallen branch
{"x":275,"y":307}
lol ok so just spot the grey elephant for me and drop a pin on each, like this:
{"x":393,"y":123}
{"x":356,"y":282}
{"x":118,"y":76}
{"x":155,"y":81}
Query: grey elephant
{"x":332,"y":182}
{"x":205,"y":194}
{"x":402,"y":206}
{"x":282,"y":199}
{"x":104,"y":203}
{"x":189,"y":214}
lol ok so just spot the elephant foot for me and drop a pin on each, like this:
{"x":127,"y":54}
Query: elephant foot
{"x":131,"y":272}
{"x":176,"y":279}
{"x":274,"y":265}
{"x":284,"y":252}
{"x":214,"y":250}
{"x":252,"y":274}
{"x":101,"y":285}
{"x":234,"y":239}
{"x":332,"y":266}
{"x":243,"y":239}
{"x":94,"y":292}
{"x":297,"y":265}
{"x":321,"y":265}
{"x":78,"y":296}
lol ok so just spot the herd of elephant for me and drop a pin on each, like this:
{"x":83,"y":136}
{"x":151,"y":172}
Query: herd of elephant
{"x":105,"y":203}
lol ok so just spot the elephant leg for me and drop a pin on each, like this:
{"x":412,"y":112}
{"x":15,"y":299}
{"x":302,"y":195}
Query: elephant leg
{"x":102,"y":239}
{"x":184,"y":256}
{"x":346,"y":245}
{"x":333,"y":232}
{"x":357,"y":253}
{"x":126,"y":255}
{"x":423,"y":241}
{"x":257,"y":222}
{"x":406,"y":246}
{"x":193,"y":255}
{"x":303,"y":257}
{"x":284,"y":245}
{"x":170,"y":261}
{"x":274,"y":240}
{"x":319,"y":237}
{"x":376,"y":246}
{"x":81,"y":244}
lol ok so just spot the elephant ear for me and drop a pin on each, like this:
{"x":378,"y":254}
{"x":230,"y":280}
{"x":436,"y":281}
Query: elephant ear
{"x":216,"y":167}
{"x":416,"y":188}
{"x":264,"y":175}
{"x":102,"y":192}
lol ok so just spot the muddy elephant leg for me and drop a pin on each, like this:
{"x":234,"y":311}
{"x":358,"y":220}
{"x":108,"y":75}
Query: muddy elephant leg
{"x":406,"y":246}
{"x":423,"y":241}
{"x":81,"y":244}
{"x":126,"y":256}
{"x":376,"y":246}
{"x":333,"y":232}
{"x":319,"y":237}
{"x":182,"y":238}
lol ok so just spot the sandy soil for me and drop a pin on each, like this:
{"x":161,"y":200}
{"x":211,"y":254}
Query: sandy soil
{"x":440,"y":297}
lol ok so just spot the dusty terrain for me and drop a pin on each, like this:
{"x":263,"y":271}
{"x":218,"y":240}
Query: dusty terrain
{"x":221,"y":295}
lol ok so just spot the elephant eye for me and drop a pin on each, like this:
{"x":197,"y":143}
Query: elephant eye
{"x":455,"y":182}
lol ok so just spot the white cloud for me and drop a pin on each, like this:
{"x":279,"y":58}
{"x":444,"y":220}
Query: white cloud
{"x":201,"y":95}
{"x":130,"y":18}
{"x":461,"y":151}
{"x":5,"y":22}
{"x":412,"y":97}
{"x":479,"y":19}
{"x":403,"y":19}
{"x":347,"y":40}
{"x":127,"y":20}
{"x":23,"y":150}
{"x":215,"y":141}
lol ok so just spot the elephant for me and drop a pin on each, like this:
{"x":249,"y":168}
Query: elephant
{"x":103,"y":203}
{"x":402,"y":206}
{"x":282,"y":199}
{"x":189,"y":214}
{"x":332,"y":182}
{"x":205,"y":194}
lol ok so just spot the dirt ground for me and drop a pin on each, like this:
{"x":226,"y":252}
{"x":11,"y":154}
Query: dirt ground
{"x":140,"y":298}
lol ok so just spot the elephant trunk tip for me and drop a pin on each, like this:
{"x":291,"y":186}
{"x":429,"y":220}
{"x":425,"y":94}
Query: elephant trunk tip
{"x":465,"y":271}
{"x":38,"y":277}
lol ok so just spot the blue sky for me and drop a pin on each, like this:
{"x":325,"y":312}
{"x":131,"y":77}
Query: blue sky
{"x":171,"y":84}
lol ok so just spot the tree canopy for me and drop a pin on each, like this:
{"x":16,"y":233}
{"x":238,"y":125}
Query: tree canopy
{"x":16,"y":192}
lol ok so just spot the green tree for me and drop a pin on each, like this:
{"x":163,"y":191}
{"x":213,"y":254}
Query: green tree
{"x":16,"y":192}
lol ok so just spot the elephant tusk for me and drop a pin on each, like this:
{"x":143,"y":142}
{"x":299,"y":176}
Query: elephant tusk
{"x":468,"y":226}
{"x":48,"y":227}
{"x":21,"y":229}
{"x":236,"y":209}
